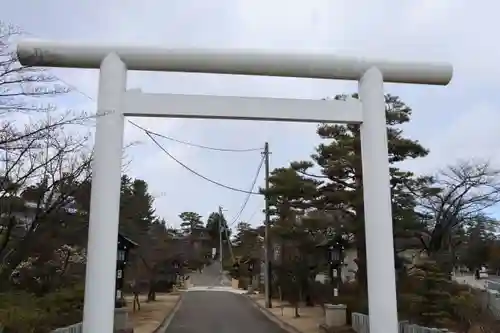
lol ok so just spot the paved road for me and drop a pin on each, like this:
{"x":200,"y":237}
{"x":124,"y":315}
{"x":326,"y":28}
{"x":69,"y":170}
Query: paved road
{"x":219,"y":312}
{"x":210,"y":277}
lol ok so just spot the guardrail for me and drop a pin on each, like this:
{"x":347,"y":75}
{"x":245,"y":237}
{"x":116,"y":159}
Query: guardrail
{"x":360,"y":324}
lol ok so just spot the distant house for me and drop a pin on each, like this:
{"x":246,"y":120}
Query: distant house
{"x":200,"y":239}
{"x":26,"y":214}
{"x":187,"y":246}
{"x":408,"y":249}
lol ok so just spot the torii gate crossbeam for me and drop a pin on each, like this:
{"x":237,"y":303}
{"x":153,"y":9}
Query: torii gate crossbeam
{"x":115,"y":102}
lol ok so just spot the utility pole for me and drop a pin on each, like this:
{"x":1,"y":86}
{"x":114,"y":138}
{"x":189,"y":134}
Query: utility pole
{"x":267,"y":240}
{"x":229,"y":245}
{"x":220,"y":240}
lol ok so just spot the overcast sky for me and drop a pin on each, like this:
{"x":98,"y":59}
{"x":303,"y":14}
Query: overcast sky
{"x":454,"y":122}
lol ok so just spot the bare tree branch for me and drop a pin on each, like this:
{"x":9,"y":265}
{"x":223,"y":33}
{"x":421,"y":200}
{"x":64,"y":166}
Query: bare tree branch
{"x":454,"y":197}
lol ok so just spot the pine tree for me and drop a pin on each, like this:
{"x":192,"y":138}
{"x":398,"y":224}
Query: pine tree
{"x":339,"y":160}
{"x":136,"y":208}
{"x":190,"y":221}
{"x":433,"y":302}
{"x":290,"y":194}
{"x":217,"y":226}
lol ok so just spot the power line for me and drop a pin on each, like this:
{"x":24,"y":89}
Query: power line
{"x":253,"y":214}
{"x":224,"y":229}
{"x":196,"y":172}
{"x":151,"y":133}
{"x":74,"y":88}
{"x":230,"y":245}
{"x":247,"y":198}
{"x":195,"y":144}
{"x":227,"y":150}
{"x":243,"y":206}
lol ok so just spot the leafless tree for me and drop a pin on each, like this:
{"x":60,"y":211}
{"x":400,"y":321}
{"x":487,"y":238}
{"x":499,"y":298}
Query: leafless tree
{"x":27,"y":95}
{"x":456,"y":196}
{"x":38,"y":186}
{"x":45,"y":155}
{"x":21,"y":86}
{"x":40,"y":161}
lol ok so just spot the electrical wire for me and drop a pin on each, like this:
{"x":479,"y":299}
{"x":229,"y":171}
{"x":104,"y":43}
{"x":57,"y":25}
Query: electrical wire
{"x":229,"y":244}
{"x":247,"y":198}
{"x":191,"y":144}
{"x":151,"y":133}
{"x":195,"y":144}
{"x":196,"y":172}
{"x":75,"y":89}
{"x":243,"y":206}
{"x":253,"y":215}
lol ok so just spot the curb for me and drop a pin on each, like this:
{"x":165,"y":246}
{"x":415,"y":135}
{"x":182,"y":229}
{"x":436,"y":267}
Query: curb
{"x":287,"y":327}
{"x":166,"y":321}
{"x":344,"y":329}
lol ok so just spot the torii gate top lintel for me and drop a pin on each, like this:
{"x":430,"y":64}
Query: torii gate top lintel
{"x":230,"y":61}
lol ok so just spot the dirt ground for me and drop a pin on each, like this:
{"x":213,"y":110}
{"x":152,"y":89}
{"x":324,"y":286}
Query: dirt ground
{"x":151,"y":314}
{"x":310,"y":317}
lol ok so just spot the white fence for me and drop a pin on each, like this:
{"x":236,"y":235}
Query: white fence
{"x":491,"y":298}
{"x":492,"y":285}
{"x":360,"y":325}
{"x":76,"y":328}
{"x":487,"y":289}
{"x":493,"y":303}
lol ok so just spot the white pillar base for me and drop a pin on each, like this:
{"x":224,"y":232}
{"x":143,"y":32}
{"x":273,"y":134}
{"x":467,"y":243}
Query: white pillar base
{"x":121,"y":322}
{"x":335,"y":315}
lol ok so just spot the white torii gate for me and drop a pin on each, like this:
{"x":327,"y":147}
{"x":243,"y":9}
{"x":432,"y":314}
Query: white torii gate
{"x":115,"y":102}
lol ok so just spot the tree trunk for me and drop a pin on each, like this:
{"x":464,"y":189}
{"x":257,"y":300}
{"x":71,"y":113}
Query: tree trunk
{"x":307,"y":293}
{"x":152,"y":291}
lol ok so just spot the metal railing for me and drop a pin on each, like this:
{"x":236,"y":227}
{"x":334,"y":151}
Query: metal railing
{"x":360,"y":324}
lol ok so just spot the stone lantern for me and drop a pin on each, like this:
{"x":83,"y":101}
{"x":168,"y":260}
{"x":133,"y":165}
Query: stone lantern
{"x":121,"y":323}
{"x":123,"y":248}
{"x":335,"y":314}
